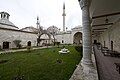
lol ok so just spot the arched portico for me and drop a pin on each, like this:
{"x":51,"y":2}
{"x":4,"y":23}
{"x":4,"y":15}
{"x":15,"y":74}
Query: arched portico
{"x":77,"y":38}
{"x":44,"y":39}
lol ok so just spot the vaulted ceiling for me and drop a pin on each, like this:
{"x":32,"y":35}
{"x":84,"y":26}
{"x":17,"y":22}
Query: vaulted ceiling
{"x":104,"y":13}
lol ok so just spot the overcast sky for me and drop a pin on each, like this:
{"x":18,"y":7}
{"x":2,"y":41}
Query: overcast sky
{"x":23,"y":13}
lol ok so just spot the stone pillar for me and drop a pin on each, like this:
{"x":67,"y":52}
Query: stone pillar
{"x":87,"y":40}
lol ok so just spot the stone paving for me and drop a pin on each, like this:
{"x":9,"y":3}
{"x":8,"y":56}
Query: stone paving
{"x":9,"y":51}
{"x":90,"y":75}
{"x":106,"y":67}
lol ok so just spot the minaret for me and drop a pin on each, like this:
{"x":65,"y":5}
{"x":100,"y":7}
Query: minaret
{"x":37,"y":22}
{"x":64,"y":17}
{"x":38,"y":26}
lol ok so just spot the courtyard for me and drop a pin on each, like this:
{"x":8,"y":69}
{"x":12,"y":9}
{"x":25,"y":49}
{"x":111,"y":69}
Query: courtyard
{"x":35,"y":37}
{"x":39,"y":64}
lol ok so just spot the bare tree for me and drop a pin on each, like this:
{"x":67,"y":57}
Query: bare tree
{"x":17,"y":43}
{"x":53,"y":34}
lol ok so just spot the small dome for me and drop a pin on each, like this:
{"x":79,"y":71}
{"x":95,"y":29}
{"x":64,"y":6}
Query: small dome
{"x":4,"y":21}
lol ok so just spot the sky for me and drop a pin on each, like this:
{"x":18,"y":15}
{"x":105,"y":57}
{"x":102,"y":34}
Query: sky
{"x":23,"y":13}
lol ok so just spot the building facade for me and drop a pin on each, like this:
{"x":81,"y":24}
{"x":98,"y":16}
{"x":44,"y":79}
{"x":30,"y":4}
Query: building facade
{"x":9,"y":33}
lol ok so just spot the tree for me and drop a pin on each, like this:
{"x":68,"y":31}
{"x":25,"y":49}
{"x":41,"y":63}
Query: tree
{"x":58,"y":43}
{"x":17,"y":43}
{"x":53,"y":33}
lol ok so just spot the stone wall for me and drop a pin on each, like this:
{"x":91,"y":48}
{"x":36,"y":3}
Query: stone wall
{"x":67,"y":37}
{"x":10,"y":35}
{"x":112,"y":34}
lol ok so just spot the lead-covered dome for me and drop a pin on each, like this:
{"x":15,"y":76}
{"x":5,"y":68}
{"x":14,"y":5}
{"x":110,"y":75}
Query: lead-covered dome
{"x":5,"y":23}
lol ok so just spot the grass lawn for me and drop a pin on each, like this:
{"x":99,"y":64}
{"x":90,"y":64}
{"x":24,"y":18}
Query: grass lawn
{"x":39,"y":64}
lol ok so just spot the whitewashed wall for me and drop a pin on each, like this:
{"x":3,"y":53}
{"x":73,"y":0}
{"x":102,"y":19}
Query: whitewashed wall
{"x":11,"y":35}
{"x":112,"y":34}
{"x":66,"y":37}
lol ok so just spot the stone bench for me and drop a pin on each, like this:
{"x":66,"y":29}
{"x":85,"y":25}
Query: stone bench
{"x":105,"y":51}
{"x":114,"y":53}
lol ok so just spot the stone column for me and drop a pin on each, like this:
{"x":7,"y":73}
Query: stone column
{"x":87,"y":40}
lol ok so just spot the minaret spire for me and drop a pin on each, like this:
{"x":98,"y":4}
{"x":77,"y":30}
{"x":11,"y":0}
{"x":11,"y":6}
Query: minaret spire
{"x":38,"y":26}
{"x":38,"y":22}
{"x":64,"y":17}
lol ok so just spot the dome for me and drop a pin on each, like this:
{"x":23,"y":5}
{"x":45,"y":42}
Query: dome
{"x":4,"y":21}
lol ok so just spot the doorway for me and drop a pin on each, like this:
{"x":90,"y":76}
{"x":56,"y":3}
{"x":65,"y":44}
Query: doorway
{"x":5,"y":45}
{"x":95,"y":41}
{"x":112,"y":45}
{"x":29,"y":43}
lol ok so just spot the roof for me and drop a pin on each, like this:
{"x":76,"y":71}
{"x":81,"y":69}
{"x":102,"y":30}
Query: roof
{"x":4,"y":13}
{"x":29,"y":29}
{"x":5,"y":23}
{"x":77,"y":27}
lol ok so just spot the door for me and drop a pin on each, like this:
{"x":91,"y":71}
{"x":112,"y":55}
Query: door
{"x":112,"y":45}
{"x":5,"y":45}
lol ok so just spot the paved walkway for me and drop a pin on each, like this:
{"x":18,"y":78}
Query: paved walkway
{"x":106,"y":67}
{"x":90,"y":75}
{"x":9,"y":51}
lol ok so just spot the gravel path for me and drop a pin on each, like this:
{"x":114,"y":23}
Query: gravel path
{"x":9,"y":51}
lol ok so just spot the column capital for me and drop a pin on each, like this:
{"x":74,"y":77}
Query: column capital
{"x":84,"y":3}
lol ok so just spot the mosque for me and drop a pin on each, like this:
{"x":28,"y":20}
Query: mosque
{"x":101,"y":26}
{"x":36,"y":35}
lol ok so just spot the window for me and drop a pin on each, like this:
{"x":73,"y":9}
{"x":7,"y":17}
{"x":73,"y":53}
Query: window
{"x":4,"y":15}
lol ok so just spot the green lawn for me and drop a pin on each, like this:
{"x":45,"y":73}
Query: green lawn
{"x":39,"y":64}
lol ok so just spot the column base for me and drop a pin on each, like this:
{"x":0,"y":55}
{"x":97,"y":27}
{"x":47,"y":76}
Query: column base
{"x":86,"y":62}
{"x":87,"y":65}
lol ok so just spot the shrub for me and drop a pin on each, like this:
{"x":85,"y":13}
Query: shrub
{"x":79,"y":49}
{"x":17,"y":43}
{"x":58,"y":43}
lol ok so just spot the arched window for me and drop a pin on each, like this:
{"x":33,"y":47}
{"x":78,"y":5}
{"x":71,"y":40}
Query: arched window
{"x":7,"y":16}
{"x":112,"y":45}
{"x":62,"y":41}
{"x":1,"y":15}
{"x":4,"y":15}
